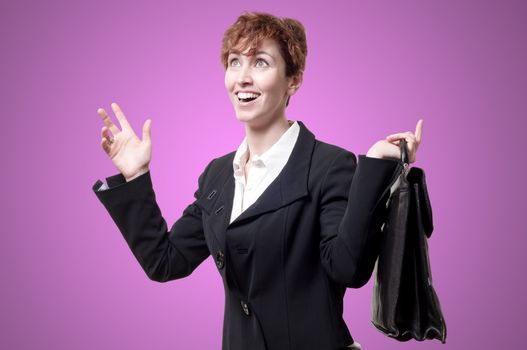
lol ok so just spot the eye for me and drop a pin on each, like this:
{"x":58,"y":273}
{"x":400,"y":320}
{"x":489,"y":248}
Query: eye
{"x":232,"y":60}
{"x":261,"y":60}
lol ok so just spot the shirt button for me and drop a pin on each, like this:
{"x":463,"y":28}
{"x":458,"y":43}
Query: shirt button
{"x":245,"y":308}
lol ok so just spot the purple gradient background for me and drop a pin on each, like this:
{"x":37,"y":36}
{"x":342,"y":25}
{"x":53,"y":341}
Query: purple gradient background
{"x":69,"y":281}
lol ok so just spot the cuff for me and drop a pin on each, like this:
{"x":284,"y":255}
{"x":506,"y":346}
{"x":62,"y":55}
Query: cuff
{"x":380,"y":171}
{"x":120,"y":191}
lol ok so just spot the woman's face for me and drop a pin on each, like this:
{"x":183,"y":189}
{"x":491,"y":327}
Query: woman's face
{"x":263,"y":75}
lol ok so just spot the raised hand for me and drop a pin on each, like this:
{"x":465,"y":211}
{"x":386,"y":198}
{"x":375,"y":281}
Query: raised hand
{"x":130,"y":155}
{"x":389,"y":147}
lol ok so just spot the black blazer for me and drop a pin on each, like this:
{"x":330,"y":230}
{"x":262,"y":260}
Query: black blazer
{"x":287,"y":259}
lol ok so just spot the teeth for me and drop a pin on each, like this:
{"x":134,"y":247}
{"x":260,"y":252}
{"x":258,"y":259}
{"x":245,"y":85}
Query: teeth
{"x":244,"y":95}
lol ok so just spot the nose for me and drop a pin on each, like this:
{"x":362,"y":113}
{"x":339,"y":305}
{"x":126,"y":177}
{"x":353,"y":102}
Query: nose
{"x":245,"y":75}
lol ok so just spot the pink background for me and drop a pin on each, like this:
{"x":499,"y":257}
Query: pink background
{"x":69,"y":281}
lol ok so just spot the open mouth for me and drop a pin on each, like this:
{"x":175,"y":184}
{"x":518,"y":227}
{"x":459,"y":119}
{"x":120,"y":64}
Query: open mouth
{"x":247,"y":97}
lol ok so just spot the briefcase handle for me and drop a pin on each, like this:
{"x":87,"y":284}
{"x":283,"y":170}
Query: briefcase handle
{"x":404,"y":151}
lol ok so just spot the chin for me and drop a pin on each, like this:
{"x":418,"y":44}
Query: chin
{"x":246,"y":119}
{"x":251,"y":120}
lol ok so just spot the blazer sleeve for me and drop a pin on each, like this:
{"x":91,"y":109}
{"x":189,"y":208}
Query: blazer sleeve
{"x":164,"y":255}
{"x":353,"y":210}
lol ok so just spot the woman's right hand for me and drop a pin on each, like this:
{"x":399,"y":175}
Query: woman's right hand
{"x":129,"y":154}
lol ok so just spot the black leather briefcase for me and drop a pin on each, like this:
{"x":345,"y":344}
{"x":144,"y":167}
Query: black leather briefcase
{"x":404,"y":302}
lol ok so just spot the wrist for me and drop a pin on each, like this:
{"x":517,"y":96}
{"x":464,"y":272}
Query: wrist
{"x":373,"y":154}
{"x":137,"y":174}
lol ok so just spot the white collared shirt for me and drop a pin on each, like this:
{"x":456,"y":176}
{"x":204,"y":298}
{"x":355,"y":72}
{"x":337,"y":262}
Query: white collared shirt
{"x":264,"y":169}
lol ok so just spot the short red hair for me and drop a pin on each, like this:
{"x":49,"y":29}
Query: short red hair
{"x":251,"y":28}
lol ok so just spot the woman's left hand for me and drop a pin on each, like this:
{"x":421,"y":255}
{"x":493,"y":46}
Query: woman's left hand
{"x":389,"y":147}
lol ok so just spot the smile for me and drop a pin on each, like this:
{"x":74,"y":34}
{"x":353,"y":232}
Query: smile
{"x":246,"y":98}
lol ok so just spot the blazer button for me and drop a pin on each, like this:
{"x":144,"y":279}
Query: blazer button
{"x":219,"y":259}
{"x":212,"y":194}
{"x":245,"y":308}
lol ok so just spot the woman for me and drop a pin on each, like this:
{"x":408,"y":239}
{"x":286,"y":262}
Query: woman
{"x":291,"y":221}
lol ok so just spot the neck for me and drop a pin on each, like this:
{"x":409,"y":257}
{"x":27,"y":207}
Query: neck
{"x":260,"y":139}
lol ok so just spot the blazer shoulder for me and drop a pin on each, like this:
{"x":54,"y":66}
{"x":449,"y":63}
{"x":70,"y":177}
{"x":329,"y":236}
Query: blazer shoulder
{"x":327,"y":152}
{"x":328,"y":158}
{"x":216,"y":168}
{"x":221,"y":161}
{"x":220,"y":164}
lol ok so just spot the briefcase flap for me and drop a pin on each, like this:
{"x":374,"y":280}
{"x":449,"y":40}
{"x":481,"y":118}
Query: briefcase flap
{"x":416,"y":178}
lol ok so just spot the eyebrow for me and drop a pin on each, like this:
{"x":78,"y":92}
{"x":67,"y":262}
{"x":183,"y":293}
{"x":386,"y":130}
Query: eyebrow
{"x":233,"y":51}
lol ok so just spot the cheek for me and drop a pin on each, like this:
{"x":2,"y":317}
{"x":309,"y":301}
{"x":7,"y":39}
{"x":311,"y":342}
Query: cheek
{"x":271,"y":83}
{"x":275,"y":90}
{"x":228,"y":81}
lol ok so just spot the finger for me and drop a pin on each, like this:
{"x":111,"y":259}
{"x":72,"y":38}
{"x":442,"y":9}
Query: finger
{"x":408,"y":136}
{"x":105,"y":145}
{"x":120,"y":116}
{"x":400,"y":135}
{"x":107,"y":121}
{"x":146,"y":130}
{"x":411,"y":145}
{"x":419,"y":130}
{"x":106,"y":135}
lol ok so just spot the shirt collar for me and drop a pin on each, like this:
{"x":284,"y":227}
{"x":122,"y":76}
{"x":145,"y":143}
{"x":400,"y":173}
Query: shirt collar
{"x":274,"y":158}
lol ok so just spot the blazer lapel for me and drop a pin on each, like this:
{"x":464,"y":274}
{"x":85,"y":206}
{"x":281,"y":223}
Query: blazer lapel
{"x":290,"y":185}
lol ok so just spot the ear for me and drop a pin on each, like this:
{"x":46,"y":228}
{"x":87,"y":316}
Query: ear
{"x":294,"y":83}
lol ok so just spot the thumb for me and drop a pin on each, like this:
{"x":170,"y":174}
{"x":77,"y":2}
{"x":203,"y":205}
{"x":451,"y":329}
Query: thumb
{"x":146,"y":130}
